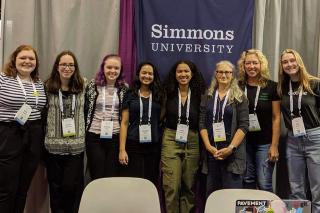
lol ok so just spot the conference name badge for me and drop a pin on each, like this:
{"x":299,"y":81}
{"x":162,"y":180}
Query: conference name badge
{"x":23,"y":114}
{"x":182,"y":133}
{"x":68,"y":127}
{"x":219,"y":132}
{"x":145,"y":133}
{"x":254,"y":123}
{"x":106,"y":129}
{"x":298,"y":127}
{"x":36,"y":93}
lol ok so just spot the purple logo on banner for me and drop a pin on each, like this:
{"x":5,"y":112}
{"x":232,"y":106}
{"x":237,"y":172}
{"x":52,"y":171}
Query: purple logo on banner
{"x":204,"y":32}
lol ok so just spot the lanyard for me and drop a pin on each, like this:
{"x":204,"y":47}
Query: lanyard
{"x":223,"y":105}
{"x":113,"y":101}
{"x":291,"y":99}
{"x":149,"y":109}
{"x":255,"y":99}
{"x":35,"y":92}
{"x":61,"y":103}
{"x":188,"y":106}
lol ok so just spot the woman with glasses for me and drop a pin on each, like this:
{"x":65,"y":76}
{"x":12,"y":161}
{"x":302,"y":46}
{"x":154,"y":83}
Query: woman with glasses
{"x":300,"y":93}
{"x":264,"y":119}
{"x":22,"y":99}
{"x":103,"y":102}
{"x":140,"y":131}
{"x":65,"y":134}
{"x":180,"y":151}
{"x":223,"y":126}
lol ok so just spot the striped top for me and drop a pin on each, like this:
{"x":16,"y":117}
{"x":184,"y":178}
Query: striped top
{"x":12,"y":98}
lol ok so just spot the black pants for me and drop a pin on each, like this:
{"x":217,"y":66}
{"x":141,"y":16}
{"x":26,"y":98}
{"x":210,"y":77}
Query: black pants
{"x":103,"y":156}
{"x":20,"y":152}
{"x":144,"y":160}
{"x":65,"y":177}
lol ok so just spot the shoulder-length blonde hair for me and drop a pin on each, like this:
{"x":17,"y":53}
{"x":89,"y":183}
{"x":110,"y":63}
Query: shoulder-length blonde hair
{"x":304,"y":76}
{"x":264,"y":74}
{"x":235,"y":91}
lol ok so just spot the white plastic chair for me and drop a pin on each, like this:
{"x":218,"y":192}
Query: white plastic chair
{"x":224,"y":201}
{"x":120,"y":195}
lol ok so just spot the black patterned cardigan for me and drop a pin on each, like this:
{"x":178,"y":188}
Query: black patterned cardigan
{"x":91,"y":95}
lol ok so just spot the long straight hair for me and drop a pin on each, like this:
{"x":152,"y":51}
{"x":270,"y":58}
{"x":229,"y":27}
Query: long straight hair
{"x":76,"y":83}
{"x":304,"y":76}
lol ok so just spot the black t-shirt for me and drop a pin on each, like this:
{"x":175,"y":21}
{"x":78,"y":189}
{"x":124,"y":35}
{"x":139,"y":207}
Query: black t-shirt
{"x":309,"y":105}
{"x":172,"y":112}
{"x":132,"y":102}
{"x":263,"y":111}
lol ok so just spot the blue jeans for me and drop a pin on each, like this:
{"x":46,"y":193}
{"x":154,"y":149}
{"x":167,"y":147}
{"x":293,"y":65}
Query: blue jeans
{"x":219,"y":178}
{"x":259,"y":169}
{"x":303,"y":153}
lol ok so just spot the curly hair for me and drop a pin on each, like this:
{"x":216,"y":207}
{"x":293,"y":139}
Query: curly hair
{"x":100,"y":78}
{"x":76,"y":82}
{"x":10,"y":68}
{"x":264,"y":74}
{"x":155,"y":87}
{"x":304,"y":75}
{"x":196,"y":84}
{"x":235,"y":91}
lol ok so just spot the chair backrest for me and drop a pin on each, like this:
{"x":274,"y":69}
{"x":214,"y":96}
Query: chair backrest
{"x":224,"y":201}
{"x":120,"y":195}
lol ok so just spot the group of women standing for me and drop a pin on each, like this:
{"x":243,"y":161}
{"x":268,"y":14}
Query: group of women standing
{"x":131,"y":131}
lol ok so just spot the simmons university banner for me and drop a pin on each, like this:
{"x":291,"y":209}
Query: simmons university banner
{"x":203,"y":31}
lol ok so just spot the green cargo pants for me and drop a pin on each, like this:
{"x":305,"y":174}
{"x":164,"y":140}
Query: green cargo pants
{"x":180,"y":163}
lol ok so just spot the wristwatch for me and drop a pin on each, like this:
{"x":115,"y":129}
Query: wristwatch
{"x":233,"y":148}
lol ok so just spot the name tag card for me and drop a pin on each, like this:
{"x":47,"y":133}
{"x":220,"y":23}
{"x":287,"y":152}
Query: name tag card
{"x":23,"y":114}
{"x":145,"y":133}
{"x":298,"y":127}
{"x":182,"y":133}
{"x":68,"y":127}
{"x":219,"y":132}
{"x":254,"y":123}
{"x":106,"y":129}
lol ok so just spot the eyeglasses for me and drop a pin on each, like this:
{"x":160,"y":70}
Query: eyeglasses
{"x":65,"y":66}
{"x":220,"y":72}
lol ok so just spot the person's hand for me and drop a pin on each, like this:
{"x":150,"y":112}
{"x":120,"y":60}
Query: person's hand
{"x":223,"y":153}
{"x":273,"y":154}
{"x":211,"y":149}
{"x":123,"y":157}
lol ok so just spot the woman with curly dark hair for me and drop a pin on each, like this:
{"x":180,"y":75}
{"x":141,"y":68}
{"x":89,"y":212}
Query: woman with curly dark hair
{"x":140,"y":130}
{"x":180,"y":151}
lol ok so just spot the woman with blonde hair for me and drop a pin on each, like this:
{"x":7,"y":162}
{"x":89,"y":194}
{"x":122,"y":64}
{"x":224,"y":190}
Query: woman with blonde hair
{"x":223,"y":124}
{"x":264,"y":119}
{"x":300,"y":106}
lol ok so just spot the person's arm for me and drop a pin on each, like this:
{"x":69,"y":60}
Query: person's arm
{"x":273,"y":152}
{"x":202,"y":126}
{"x":123,"y":156}
{"x":205,"y":138}
{"x":163,"y":108}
